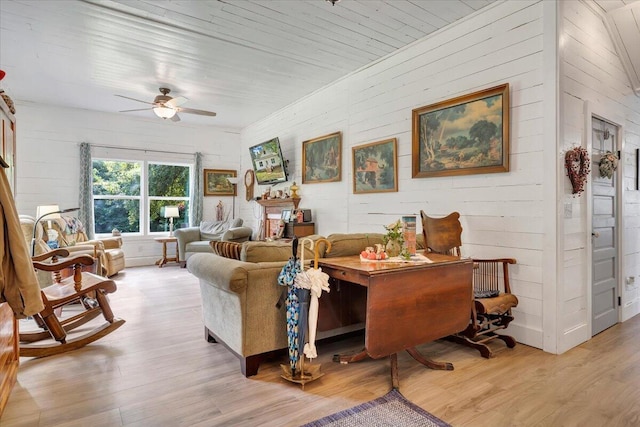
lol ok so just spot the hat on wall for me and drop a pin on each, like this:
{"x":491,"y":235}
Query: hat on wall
{"x":2,"y":74}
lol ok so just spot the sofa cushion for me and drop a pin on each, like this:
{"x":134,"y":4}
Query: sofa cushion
{"x":259,"y":251}
{"x":351,"y":243}
{"x":199,"y":246}
{"x":227,"y":249}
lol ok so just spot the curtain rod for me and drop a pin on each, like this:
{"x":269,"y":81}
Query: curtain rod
{"x":141,"y":149}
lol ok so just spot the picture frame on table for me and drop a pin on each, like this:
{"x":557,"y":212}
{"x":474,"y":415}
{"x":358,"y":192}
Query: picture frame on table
{"x":322,"y":159}
{"x":462,"y":136}
{"x":217,"y":184}
{"x":375,"y":167}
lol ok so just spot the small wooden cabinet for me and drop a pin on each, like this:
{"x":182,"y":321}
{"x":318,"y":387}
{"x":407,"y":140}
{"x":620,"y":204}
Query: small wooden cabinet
{"x":301,"y":229}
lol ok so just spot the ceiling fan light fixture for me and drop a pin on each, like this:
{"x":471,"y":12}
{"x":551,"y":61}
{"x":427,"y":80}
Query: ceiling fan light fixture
{"x":164,"y":112}
{"x":333,"y":2}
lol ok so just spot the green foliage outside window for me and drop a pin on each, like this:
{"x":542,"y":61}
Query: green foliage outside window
{"x":118,"y":195}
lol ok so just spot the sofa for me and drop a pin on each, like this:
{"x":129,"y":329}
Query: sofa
{"x":239,"y":296}
{"x":197,"y":239}
{"x":70,"y":234}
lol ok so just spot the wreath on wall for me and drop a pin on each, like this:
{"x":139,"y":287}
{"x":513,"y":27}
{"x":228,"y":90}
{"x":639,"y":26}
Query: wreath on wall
{"x":608,"y":164}
{"x":578,"y":167}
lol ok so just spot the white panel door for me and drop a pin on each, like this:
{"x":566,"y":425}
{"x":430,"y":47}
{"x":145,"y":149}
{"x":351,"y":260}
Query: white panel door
{"x":604,"y":285}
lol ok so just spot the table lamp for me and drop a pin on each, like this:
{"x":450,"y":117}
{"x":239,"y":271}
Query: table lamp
{"x":233,"y":180}
{"x":171,"y":212}
{"x":50,"y":211}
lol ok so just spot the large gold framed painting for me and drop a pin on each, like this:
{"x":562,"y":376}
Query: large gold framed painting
{"x":462,"y":136}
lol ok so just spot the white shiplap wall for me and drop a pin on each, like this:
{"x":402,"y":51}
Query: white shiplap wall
{"x":47,"y":154}
{"x":503,"y":214}
{"x":593,"y":80}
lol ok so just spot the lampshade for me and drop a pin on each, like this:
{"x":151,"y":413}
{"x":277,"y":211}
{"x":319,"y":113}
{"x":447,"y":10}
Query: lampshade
{"x":164,"y":112}
{"x":233,"y":180}
{"x":51,"y":211}
{"x":171,"y":212}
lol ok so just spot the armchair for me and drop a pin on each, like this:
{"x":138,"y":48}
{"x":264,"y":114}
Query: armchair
{"x":71,"y":236}
{"x":197,"y":239}
{"x":493,"y":299}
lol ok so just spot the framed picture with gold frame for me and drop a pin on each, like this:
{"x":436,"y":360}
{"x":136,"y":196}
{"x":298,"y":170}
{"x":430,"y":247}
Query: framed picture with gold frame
{"x":375,"y":167}
{"x":217,"y":184}
{"x":462,"y":136}
{"x":322,"y":159}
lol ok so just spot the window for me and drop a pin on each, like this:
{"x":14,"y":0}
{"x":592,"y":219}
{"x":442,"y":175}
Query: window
{"x":131,"y":195}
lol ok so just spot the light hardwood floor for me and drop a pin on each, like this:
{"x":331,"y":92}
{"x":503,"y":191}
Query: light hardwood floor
{"x":158,"y":370}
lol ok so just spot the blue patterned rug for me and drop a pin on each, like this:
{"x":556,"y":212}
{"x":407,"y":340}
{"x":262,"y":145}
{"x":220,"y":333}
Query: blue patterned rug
{"x":390,"y":410}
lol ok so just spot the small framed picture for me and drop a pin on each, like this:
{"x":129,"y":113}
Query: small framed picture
{"x":286,"y":215}
{"x":217,"y":184}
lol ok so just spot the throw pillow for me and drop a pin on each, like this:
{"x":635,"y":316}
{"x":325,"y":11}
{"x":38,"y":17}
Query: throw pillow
{"x":227,"y":249}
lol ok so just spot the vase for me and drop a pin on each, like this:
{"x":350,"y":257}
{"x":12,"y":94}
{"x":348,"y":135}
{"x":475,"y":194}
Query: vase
{"x":393,"y":248}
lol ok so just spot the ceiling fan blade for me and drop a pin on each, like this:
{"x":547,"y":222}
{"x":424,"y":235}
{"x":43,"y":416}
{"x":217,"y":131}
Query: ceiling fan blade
{"x":137,"y":109}
{"x":194,"y":111}
{"x":175,"y":102}
{"x":133,"y":99}
{"x":175,"y":118}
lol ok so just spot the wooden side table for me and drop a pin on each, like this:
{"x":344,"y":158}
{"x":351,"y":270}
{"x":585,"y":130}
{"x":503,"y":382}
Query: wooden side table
{"x":164,"y":240}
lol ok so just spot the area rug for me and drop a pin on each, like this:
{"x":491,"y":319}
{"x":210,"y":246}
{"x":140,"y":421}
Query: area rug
{"x":389,"y":410}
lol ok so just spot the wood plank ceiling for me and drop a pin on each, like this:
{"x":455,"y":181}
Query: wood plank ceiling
{"x":243,"y":59}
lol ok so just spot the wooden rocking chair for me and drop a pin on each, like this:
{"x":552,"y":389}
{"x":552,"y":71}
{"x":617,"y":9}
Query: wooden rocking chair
{"x":493,"y":299}
{"x":87,"y":291}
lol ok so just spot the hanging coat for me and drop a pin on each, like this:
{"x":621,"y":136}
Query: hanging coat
{"x":18,"y":283}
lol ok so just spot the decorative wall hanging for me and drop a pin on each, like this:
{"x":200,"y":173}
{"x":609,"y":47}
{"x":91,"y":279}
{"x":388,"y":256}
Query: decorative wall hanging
{"x":608,"y":165}
{"x":578,"y":167}
{"x":322,"y":159}
{"x":375,"y":167}
{"x":462,"y":136}
{"x":217,"y":184}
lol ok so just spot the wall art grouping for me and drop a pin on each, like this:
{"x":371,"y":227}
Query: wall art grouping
{"x":465,"y":135}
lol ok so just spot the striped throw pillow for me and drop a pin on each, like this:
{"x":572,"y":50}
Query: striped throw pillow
{"x":227,"y":249}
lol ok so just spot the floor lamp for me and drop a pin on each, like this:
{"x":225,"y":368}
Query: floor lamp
{"x":233,"y":180}
{"x":42,"y":211}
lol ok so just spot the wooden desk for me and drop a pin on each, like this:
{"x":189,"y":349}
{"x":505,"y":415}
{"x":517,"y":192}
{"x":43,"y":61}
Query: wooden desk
{"x":164,"y":240}
{"x":408,"y":303}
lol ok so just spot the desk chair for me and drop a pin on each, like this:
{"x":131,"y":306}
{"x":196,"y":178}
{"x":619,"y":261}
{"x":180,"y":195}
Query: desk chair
{"x":493,"y":299}
{"x":83,"y":291}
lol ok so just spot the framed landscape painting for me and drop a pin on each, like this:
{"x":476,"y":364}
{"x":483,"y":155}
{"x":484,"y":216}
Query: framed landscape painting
{"x":322,"y":159}
{"x":462,"y":136}
{"x":375,"y":167}
{"x":217,"y":184}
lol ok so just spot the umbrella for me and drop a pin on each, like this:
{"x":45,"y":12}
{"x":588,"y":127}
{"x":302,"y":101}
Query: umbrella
{"x":286,"y":278}
{"x":316,"y":281}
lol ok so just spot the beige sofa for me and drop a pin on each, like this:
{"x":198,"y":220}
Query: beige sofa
{"x":239,"y":297}
{"x":197,"y":239}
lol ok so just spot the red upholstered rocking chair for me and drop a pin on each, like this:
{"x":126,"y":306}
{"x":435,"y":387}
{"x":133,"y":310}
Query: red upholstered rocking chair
{"x":493,"y":299}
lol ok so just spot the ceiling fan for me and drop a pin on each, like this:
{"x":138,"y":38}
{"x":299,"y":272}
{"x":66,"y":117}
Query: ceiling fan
{"x":167,"y":107}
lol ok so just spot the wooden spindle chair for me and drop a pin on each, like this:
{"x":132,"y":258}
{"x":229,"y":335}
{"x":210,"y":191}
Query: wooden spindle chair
{"x":88,"y":294}
{"x":493,"y":299}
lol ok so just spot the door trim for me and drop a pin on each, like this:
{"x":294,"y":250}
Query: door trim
{"x":593,"y":109}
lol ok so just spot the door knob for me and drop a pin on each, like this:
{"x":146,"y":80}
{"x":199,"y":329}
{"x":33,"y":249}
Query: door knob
{"x":595,"y":234}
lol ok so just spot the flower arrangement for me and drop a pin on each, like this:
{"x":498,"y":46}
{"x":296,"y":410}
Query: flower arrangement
{"x":608,"y":164}
{"x":578,"y":167}
{"x":394,"y":232}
